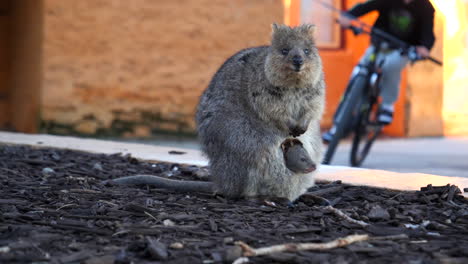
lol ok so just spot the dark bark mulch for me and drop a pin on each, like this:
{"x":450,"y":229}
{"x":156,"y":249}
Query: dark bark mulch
{"x":54,"y":209}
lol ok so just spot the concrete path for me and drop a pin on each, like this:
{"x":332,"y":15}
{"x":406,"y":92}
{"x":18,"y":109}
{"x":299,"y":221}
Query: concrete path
{"x":439,"y":156}
{"x":177,"y":151}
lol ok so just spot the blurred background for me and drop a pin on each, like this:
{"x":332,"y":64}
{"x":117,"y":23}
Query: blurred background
{"x":134,"y":70}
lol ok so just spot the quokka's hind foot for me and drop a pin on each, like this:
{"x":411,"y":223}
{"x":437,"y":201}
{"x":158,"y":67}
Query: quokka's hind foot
{"x":296,"y":157}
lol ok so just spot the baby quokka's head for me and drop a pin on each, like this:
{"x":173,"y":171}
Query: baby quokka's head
{"x":293,"y":58}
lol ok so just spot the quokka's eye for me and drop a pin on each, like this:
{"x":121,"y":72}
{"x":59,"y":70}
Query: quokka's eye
{"x":306,"y":51}
{"x":285,"y":51}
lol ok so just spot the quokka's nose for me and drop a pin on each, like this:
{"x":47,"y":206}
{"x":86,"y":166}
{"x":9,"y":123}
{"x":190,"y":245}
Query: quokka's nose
{"x":297,"y":60}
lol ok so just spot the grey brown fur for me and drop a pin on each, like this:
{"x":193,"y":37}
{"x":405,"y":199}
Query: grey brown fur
{"x":258,"y":98}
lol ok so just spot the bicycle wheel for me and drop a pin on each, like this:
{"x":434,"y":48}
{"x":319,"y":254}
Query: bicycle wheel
{"x":366,"y":131}
{"x":344,"y":116}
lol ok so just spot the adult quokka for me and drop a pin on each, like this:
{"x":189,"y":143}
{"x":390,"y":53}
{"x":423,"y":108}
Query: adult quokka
{"x":258,"y":120}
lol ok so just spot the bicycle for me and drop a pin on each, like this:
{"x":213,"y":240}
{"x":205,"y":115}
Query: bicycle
{"x":357,"y":111}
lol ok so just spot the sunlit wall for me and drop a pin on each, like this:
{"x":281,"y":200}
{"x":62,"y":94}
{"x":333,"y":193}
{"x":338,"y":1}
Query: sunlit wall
{"x":455,"y":101}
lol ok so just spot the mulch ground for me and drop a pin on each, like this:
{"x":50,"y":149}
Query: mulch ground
{"x":54,"y":209}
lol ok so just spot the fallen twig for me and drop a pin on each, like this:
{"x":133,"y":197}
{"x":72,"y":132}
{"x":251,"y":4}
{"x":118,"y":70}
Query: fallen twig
{"x":294,"y":247}
{"x":242,"y":260}
{"x":152,"y":216}
{"x":121,"y":232}
{"x":345,"y":216}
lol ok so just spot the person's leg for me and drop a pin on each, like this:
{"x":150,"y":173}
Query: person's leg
{"x":328,"y":135}
{"x":390,"y":83}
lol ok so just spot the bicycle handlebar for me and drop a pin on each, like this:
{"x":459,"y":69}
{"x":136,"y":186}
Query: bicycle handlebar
{"x":378,"y":32}
{"x":405,"y":48}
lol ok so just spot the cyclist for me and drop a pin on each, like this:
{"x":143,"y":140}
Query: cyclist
{"x":409,"y":20}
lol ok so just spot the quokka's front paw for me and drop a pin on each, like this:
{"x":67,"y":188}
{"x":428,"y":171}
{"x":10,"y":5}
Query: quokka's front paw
{"x":297,"y":131}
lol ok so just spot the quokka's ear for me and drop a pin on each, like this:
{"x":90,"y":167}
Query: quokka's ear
{"x":274,"y":27}
{"x":277,"y":27}
{"x":308,"y":29}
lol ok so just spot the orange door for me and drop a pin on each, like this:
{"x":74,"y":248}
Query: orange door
{"x":338,"y":64}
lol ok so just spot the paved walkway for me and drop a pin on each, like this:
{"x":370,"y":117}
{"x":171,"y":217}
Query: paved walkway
{"x":186,"y":152}
{"x":439,"y":156}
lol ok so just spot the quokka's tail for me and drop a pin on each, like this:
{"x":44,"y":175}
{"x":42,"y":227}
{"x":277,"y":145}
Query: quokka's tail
{"x":164,"y":183}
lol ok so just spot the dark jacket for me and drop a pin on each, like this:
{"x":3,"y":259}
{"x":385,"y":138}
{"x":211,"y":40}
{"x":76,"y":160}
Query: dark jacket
{"x":412,"y":22}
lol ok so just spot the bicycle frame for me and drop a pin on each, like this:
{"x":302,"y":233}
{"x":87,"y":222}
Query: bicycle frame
{"x":371,"y":72}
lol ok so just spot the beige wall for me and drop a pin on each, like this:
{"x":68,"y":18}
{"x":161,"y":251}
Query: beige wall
{"x":455,"y":106}
{"x":424,"y":94}
{"x":132,"y":67}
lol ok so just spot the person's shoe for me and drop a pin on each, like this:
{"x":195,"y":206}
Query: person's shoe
{"x":385,"y":116}
{"x":327,"y":136}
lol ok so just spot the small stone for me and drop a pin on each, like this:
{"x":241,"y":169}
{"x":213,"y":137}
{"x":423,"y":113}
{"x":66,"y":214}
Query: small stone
{"x":232,"y":253}
{"x":168,"y":222}
{"x":202,"y":174}
{"x":56,"y":156}
{"x":217,"y":257}
{"x":5,"y":249}
{"x":98,"y":166}
{"x":177,"y":245}
{"x":228,"y":240}
{"x":378,"y":213}
{"x":48,"y":171}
